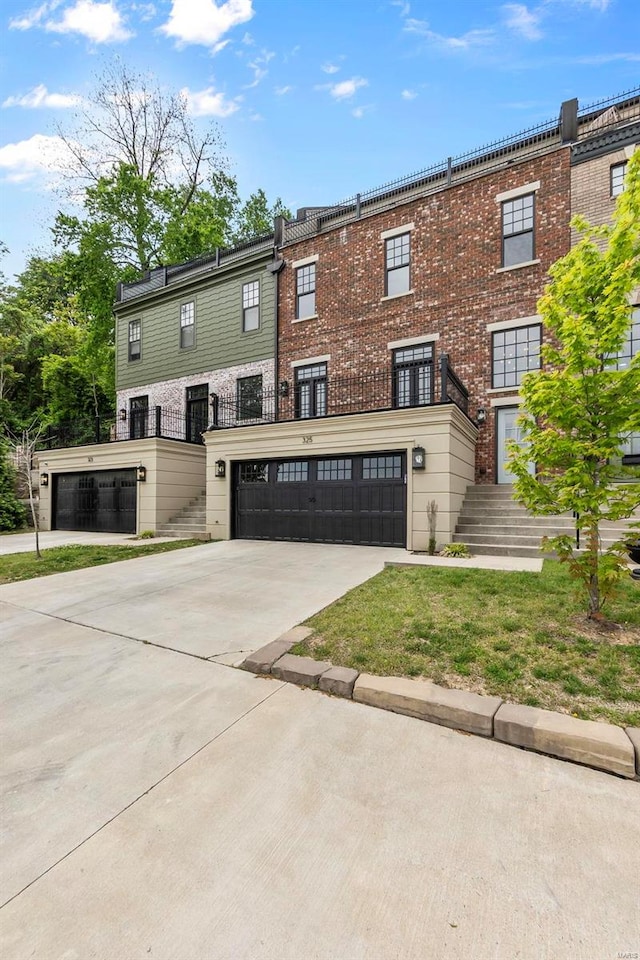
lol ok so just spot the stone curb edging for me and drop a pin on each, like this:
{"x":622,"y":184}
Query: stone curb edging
{"x":602,"y":746}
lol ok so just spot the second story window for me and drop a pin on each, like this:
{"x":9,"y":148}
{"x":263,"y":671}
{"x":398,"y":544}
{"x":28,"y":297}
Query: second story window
{"x":249,"y":398}
{"x":514,"y":353}
{"x":413,"y":376}
{"x":618,"y":173}
{"x":306,"y":291}
{"x":251,"y":306}
{"x":187,"y":325}
{"x":397,"y":265}
{"x":311,"y":391}
{"x":135,"y":340}
{"x":631,"y":346}
{"x":517,"y":230}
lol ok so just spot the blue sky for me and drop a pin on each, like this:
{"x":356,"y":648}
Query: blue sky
{"x":316,"y":99}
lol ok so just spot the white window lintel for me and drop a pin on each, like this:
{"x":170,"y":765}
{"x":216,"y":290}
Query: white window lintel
{"x":309,"y":361}
{"x":518,"y":191}
{"x":515,"y":401}
{"x":305,"y":262}
{"x":512,"y":324}
{"x":413,"y":341}
{"x":397,"y":231}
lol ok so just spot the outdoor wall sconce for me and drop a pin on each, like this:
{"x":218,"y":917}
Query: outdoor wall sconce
{"x":283,"y":389}
{"x":123,"y":414}
{"x":221,"y":469}
{"x":418,"y":458}
{"x":44,"y":479}
{"x":141,"y":474}
{"x":481,"y":415}
{"x":213,"y":398}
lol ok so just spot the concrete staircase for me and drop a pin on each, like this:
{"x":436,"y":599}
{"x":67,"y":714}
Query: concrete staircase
{"x":188,"y":523}
{"x":492,"y":523}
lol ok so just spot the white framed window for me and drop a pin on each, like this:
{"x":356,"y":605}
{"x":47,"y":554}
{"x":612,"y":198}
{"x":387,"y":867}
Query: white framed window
{"x":187,"y":325}
{"x":135,"y":340}
{"x":617,"y":175}
{"x":251,"y":306}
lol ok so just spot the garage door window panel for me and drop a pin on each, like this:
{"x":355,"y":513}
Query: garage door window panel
{"x":296,"y":471}
{"x":334,"y":470}
{"x":382,"y":468}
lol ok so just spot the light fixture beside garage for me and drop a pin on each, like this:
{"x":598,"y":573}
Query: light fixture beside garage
{"x":220,"y":469}
{"x":283,"y":388}
{"x":141,"y":474}
{"x":44,"y":479}
{"x":418,"y":458}
{"x":123,"y":413}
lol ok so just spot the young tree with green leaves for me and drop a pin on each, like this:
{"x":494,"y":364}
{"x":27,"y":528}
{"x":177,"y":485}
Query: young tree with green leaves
{"x":580,"y":410}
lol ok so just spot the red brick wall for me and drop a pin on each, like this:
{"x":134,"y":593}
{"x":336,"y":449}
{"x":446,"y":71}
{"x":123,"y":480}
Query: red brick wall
{"x":455,"y":253}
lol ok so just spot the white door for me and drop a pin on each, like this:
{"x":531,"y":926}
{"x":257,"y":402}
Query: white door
{"x":508,"y":430}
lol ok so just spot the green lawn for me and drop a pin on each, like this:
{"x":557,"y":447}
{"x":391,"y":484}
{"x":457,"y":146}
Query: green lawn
{"x":25,"y":566}
{"x":522,"y":636}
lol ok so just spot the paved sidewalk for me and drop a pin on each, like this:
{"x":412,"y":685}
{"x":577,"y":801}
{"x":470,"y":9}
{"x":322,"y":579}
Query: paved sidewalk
{"x":156,"y":805}
{"x":26,"y":542}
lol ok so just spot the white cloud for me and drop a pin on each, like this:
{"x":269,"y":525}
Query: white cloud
{"x":468,"y":40}
{"x":521,"y":20}
{"x":408,"y":94}
{"x":345,"y":89}
{"x":259,"y":67}
{"x":146,"y":11}
{"x":209,"y":103}
{"x":39,"y":158}
{"x":34,"y":17}
{"x":359,"y":112}
{"x":99,"y":22}
{"x":40,"y":97}
{"x":329,"y":68}
{"x":280,"y":91}
{"x":205,"y":22}
{"x":405,"y":9}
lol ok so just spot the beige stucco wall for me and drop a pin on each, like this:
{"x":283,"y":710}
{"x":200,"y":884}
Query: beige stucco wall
{"x":446,"y":434}
{"x":175,"y":474}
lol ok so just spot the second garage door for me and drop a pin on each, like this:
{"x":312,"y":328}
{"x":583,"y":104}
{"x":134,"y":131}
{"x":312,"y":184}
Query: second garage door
{"x":102,"y":501}
{"x":345,"y":499}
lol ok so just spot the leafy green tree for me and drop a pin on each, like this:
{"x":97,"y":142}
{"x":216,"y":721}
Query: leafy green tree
{"x":581,"y":408}
{"x":12,"y":513}
{"x":255,"y":217}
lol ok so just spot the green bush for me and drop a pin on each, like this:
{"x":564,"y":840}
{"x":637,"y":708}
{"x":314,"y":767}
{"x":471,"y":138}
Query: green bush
{"x":12,"y":513}
{"x":455,"y":550}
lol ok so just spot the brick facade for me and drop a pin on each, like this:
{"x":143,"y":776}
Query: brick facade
{"x":171,"y":394}
{"x":457,"y":284}
{"x":591,"y":187}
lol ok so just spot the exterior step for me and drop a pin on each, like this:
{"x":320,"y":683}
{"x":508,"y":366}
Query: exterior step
{"x":492,"y":523}
{"x":190,"y":522}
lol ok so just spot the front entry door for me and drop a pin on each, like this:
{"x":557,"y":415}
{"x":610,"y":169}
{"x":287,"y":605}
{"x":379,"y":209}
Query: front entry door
{"x":197,"y":412}
{"x":508,"y":430}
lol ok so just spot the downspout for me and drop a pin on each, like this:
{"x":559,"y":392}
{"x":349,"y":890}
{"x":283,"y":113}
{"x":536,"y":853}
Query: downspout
{"x":275,"y":268}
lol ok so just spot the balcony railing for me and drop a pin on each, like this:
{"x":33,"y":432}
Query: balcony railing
{"x":161,"y":422}
{"x":339,"y":396}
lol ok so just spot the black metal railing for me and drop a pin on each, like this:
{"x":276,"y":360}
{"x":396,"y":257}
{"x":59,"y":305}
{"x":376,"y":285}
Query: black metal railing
{"x":365,"y":393}
{"x":369,"y":392}
{"x":162,"y":422}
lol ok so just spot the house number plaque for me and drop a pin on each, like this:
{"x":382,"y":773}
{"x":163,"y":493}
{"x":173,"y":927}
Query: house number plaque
{"x":307,"y":439}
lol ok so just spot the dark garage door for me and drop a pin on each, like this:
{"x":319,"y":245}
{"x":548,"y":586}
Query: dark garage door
{"x":103,"y":501}
{"x":346,"y":499}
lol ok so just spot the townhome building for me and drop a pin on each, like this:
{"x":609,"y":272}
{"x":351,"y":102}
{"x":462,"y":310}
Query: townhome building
{"x":383,"y":376}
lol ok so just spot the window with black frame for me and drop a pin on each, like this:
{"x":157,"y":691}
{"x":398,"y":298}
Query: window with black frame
{"x":306,"y":291}
{"x":518,"y":230}
{"x":620,"y":361}
{"x":413,"y":376}
{"x":249,"y":398}
{"x":514,"y":353}
{"x":397,"y":265}
{"x":311,"y":391}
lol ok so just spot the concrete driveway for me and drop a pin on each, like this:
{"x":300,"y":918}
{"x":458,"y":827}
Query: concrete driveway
{"x":218,"y":600}
{"x":26,"y":542}
{"x":158,"y":805}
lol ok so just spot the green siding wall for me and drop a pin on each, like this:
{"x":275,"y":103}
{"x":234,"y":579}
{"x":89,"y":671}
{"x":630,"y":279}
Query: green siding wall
{"x":220,"y":341}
